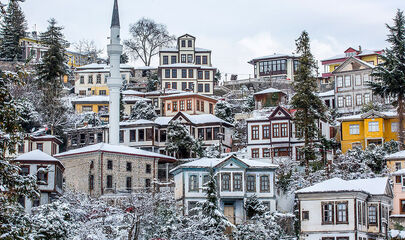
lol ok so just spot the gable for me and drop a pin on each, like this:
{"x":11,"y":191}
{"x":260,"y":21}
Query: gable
{"x":352,"y":64}
{"x":180,"y":116}
{"x":231,"y":163}
{"x":186,"y":36}
{"x":350,"y":49}
{"x":280,"y":113}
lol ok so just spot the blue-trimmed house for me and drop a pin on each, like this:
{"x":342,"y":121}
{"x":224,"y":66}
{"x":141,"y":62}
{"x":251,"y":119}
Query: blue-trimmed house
{"x":237,"y":180}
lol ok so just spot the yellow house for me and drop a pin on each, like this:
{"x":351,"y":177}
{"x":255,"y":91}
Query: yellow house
{"x":371,"y":127}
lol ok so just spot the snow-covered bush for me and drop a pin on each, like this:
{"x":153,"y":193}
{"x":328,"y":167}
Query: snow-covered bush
{"x":224,"y":111}
{"x":142,"y":110}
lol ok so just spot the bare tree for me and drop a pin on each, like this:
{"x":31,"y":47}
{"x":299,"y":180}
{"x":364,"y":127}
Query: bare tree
{"x":87,"y":49}
{"x":147,"y":37}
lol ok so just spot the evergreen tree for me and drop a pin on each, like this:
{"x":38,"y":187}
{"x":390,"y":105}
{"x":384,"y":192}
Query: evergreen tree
{"x":152,"y":83}
{"x":390,"y":73}
{"x":180,"y":142}
{"x":124,"y":58}
{"x":14,"y":222}
{"x":12,"y":30}
{"x":309,"y":106}
{"x":224,"y":111}
{"x":254,"y":207}
{"x":143,"y":110}
{"x":50,"y":73}
{"x":249,"y":104}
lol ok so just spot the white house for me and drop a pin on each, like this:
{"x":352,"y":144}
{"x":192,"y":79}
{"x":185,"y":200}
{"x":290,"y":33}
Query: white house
{"x":337,"y":209}
{"x":49,"y":172}
{"x":238,"y":179}
{"x":274,"y":135}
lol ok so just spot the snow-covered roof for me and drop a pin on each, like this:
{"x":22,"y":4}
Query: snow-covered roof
{"x":94,"y":98}
{"x":175,"y":49}
{"x":37,"y":155}
{"x":327,"y":94}
{"x":132,"y":92}
{"x":140,"y":121}
{"x":268,"y":90}
{"x":388,"y":114}
{"x":101,"y":66}
{"x":275,"y":55}
{"x":163,"y":120}
{"x":186,"y":65}
{"x":204,"y":118}
{"x":145,"y":68}
{"x":187,"y":94}
{"x":214,"y":162}
{"x":135,"y":98}
{"x":45,"y":137}
{"x":165,"y":91}
{"x":373,"y":186}
{"x":397,"y":155}
{"x":105,"y":147}
{"x":364,"y":52}
{"x":342,"y":55}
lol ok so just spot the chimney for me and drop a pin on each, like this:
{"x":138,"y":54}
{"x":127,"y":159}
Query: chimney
{"x":359,"y":49}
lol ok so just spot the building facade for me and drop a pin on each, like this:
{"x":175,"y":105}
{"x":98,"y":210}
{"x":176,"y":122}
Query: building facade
{"x":49,"y":173}
{"x":368,"y":128}
{"x":398,"y":181}
{"x":275,"y":67}
{"x":238,"y":179}
{"x":104,"y":168}
{"x":186,"y":67}
{"x":337,"y":209}
{"x":269,"y":97}
{"x":275,"y":136}
{"x":91,"y":79}
{"x":188,"y":102}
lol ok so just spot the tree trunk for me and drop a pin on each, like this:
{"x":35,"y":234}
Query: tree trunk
{"x":401,"y":122}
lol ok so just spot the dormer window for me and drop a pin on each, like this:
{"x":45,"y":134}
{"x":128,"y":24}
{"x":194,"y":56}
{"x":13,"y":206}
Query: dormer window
{"x":183,"y":43}
{"x":350,"y":54}
{"x":190,"y":44}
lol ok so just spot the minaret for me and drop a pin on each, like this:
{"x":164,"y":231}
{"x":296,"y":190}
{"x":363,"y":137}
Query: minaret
{"x":114,"y":82}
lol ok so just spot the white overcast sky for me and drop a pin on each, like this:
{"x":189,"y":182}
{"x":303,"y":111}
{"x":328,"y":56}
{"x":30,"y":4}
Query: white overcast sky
{"x":235,"y":30}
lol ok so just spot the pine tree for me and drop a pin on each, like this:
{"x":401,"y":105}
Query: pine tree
{"x":152,"y":82}
{"x":50,"y":73}
{"x":143,"y":110}
{"x":224,"y":111}
{"x":180,"y":142}
{"x":390,"y":73}
{"x":254,"y":207}
{"x":309,"y":106}
{"x":12,"y":30}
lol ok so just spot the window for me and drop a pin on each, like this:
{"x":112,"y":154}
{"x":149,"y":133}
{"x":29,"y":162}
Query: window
{"x":207,"y":87}
{"x":276,"y":130}
{"x":366,"y":98}
{"x":284,"y":130}
{"x":206,"y":178}
{"x":358,"y":99}
{"x":264,"y":183}
{"x":167,"y":73}
{"x":149,"y":134}
{"x":200,"y":87}
{"x":189,"y":102}
{"x":82,"y":92}
{"x":202,"y":106}
{"x":189,"y":58}
{"x":237,"y":182}
{"x":373,"y":126}
{"x":174,"y":73}
{"x":102,"y":92}
{"x":184,"y":73}
{"x":251,"y":183}
{"x":98,"y":79}
{"x":141,"y":135}
{"x":190,"y":73}
{"x":106,"y":77}
{"x":255,"y":153}
{"x":342,"y":212}
{"x":211,"y":108}
{"x":266,"y":152}
{"x":81,"y":79}
{"x":394,"y":127}
{"x":204,"y":60}
{"x":197,"y":59}
{"x":255,"y":132}
{"x":354,"y":129}
{"x":402,"y":203}
{"x":173,"y":59}
{"x":191,"y":86}
{"x":110,"y":164}
{"x":90,"y":80}
{"x":42,"y":176}
{"x":348,"y":81}
{"x":206,"y":75}
{"x":366,"y":78}
{"x":148,"y":168}
{"x":25,"y":170}
{"x":208,"y":134}
{"x":109,"y":181}
{"x":358,"y":80}
{"x":181,"y":103}
{"x":398,"y":166}
{"x":372,"y":215}
{"x":266,"y":132}
{"x":216,"y":133}
{"x":200,"y":74}
{"x":147,"y":183}
{"x":168,"y":106}
{"x":165,"y":60}
{"x":348,"y":101}
{"x":129,"y":167}
{"x":198,"y":105}
{"x":225,"y":182}
{"x":167,"y":85}
{"x":327,"y":213}
{"x":129,"y":183}
{"x":190,"y":207}
{"x":183,"y":58}
{"x":305,"y":215}
{"x":189,"y":43}
{"x":162,"y":135}
{"x":40,"y":146}
{"x":339,"y":81}
{"x":175,"y":106}
{"x":398,"y":179}
{"x":183,"y":43}
{"x":200,"y":133}
{"x":183,"y":86}
{"x":121,"y":136}
{"x":132,"y":135}
{"x":91,"y":182}
{"x":174,"y":85}
{"x":359,"y":213}
{"x":193,"y":183}
{"x":340,"y":101}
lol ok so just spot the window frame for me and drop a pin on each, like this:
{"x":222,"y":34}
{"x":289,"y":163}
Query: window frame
{"x":225,"y":183}
{"x":250,"y":183}
{"x":237,"y":183}
{"x":345,"y":211}
{"x":264,"y":184}
{"x":254,"y":132}
{"x":332,"y":217}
